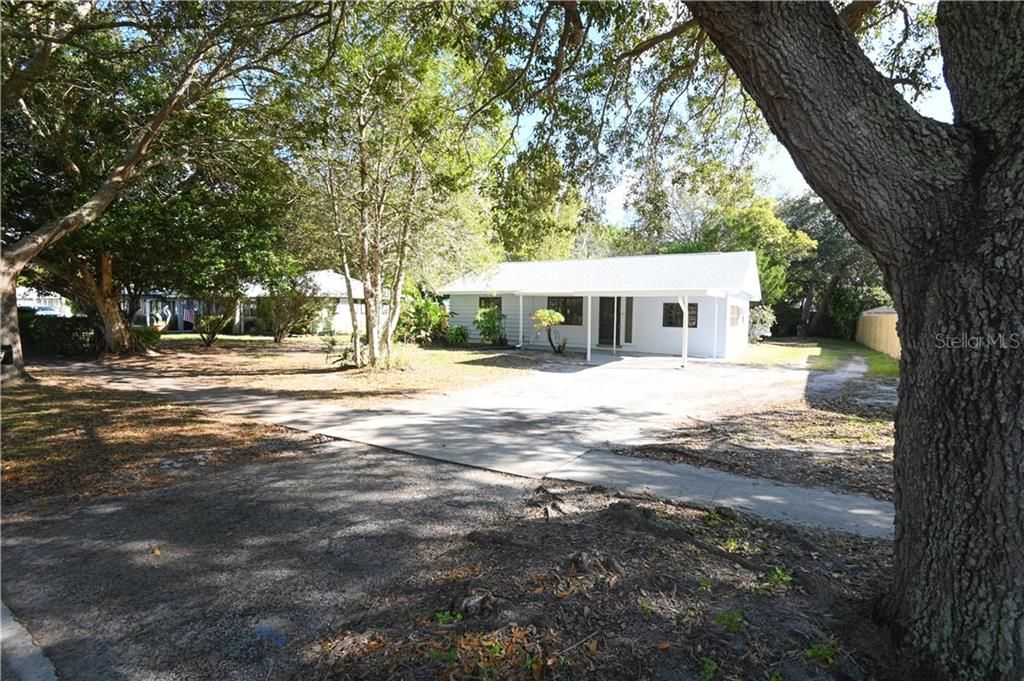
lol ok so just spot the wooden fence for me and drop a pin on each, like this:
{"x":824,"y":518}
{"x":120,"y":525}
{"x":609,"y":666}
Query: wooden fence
{"x":877,"y":329}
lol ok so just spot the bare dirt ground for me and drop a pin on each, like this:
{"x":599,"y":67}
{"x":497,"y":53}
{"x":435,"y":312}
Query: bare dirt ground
{"x":840,"y":440}
{"x":577,"y":583}
{"x":66,"y":439}
{"x":299,"y":368}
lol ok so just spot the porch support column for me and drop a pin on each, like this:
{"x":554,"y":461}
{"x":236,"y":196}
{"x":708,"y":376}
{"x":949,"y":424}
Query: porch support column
{"x":520,"y":322}
{"x":180,"y":307}
{"x":586,"y":321}
{"x":615,"y":323}
{"x":684,"y":303}
{"x":714,"y":351}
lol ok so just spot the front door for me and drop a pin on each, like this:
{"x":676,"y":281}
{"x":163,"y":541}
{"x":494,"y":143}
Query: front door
{"x":606,"y":327}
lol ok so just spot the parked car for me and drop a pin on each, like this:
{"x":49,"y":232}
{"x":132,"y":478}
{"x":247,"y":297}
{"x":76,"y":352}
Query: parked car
{"x":46,"y":311}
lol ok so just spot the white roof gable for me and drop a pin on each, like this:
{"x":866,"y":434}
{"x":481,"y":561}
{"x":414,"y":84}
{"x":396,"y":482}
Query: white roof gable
{"x":328,"y":284}
{"x":677,"y":273}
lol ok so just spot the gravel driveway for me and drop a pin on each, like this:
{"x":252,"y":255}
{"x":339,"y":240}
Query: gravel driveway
{"x":235,"y":575}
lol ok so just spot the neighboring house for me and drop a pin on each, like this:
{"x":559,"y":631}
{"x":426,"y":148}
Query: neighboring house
{"x":169,"y":311}
{"x":175,"y":312}
{"x":692,"y":304}
{"x":43,"y":302}
{"x":333,"y":317}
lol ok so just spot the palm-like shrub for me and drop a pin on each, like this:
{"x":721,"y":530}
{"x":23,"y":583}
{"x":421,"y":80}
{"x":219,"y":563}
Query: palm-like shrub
{"x":547,"y":320}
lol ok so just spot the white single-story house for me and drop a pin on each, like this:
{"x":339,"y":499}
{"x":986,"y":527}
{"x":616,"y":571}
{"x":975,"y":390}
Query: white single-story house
{"x":329,"y":286}
{"x":688,"y":304}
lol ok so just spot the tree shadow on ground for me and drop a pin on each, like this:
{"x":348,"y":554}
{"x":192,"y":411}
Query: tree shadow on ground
{"x":254,"y":573}
{"x":66,"y":440}
{"x":230,"y":576}
{"x":578,"y":584}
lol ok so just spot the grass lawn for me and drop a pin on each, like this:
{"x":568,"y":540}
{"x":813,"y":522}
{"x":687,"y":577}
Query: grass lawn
{"x":63,"y":439}
{"x":820,"y":354}
{"x":299,"y":368}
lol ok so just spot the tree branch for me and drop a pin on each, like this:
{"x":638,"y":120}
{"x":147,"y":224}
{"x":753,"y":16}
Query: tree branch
{"x":853,"y":14}
{"x":15,"y":85}
{"x":986,"y":85}
{"x":654,"y":41}
{"x":843,"y":123}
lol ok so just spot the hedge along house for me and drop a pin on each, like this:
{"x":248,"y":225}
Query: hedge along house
{"x":688,"y":304}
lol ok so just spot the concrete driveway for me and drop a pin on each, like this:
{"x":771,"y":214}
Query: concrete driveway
{"x":536,"y":424}
{"x":564,"y":421}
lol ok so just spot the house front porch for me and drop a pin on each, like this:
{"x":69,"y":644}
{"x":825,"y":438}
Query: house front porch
{"x":692,"y":323}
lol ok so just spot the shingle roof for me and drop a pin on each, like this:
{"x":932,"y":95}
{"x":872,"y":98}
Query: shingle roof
{"x":683,"y":272}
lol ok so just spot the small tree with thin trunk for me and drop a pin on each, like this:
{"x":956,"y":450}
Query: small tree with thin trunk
{"x":547,"y":321}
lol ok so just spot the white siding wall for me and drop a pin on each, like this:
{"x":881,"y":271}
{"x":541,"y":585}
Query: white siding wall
{"x":464,"y":308}
{"x":650,"y":336}
{"x":334,"y":317}
{"x":575,"y":335}
{"x":648,"y":333}
{"x":739,"y":335}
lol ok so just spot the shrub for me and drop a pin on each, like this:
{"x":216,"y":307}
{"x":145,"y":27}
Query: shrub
{"x":762,"y":318}
{"x":337,"y":352}
{"x":147,"y":336}
{"x":456,"y":335}
{"x":218,"y":314}
{"x":57,"y":335}
{"x":547,"y":320}
{"x":422,"y":320}
{"x":491,"y":324}
{"x":291,"y":311}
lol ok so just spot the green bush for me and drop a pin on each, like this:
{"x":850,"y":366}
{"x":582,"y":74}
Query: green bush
{"x":422,"y":320}
{"x":148,"y":336}
{"x":491,"y":324}
{"x":846,"y":305}
{"x":71,"y":336}
{"x":456,"y":335}
{"x":209,"y":326}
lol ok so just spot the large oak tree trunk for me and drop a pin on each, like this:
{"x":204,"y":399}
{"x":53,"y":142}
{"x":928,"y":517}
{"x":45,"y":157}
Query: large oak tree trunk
{"x":9,"y":333}
{"x":959,"y":550}
{"x":117,"y":334}
{"x":940,"y":208}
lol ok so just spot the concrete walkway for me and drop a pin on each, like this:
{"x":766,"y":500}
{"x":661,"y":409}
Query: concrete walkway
{"x":20,"y":658}
{"x":563,"y":422}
